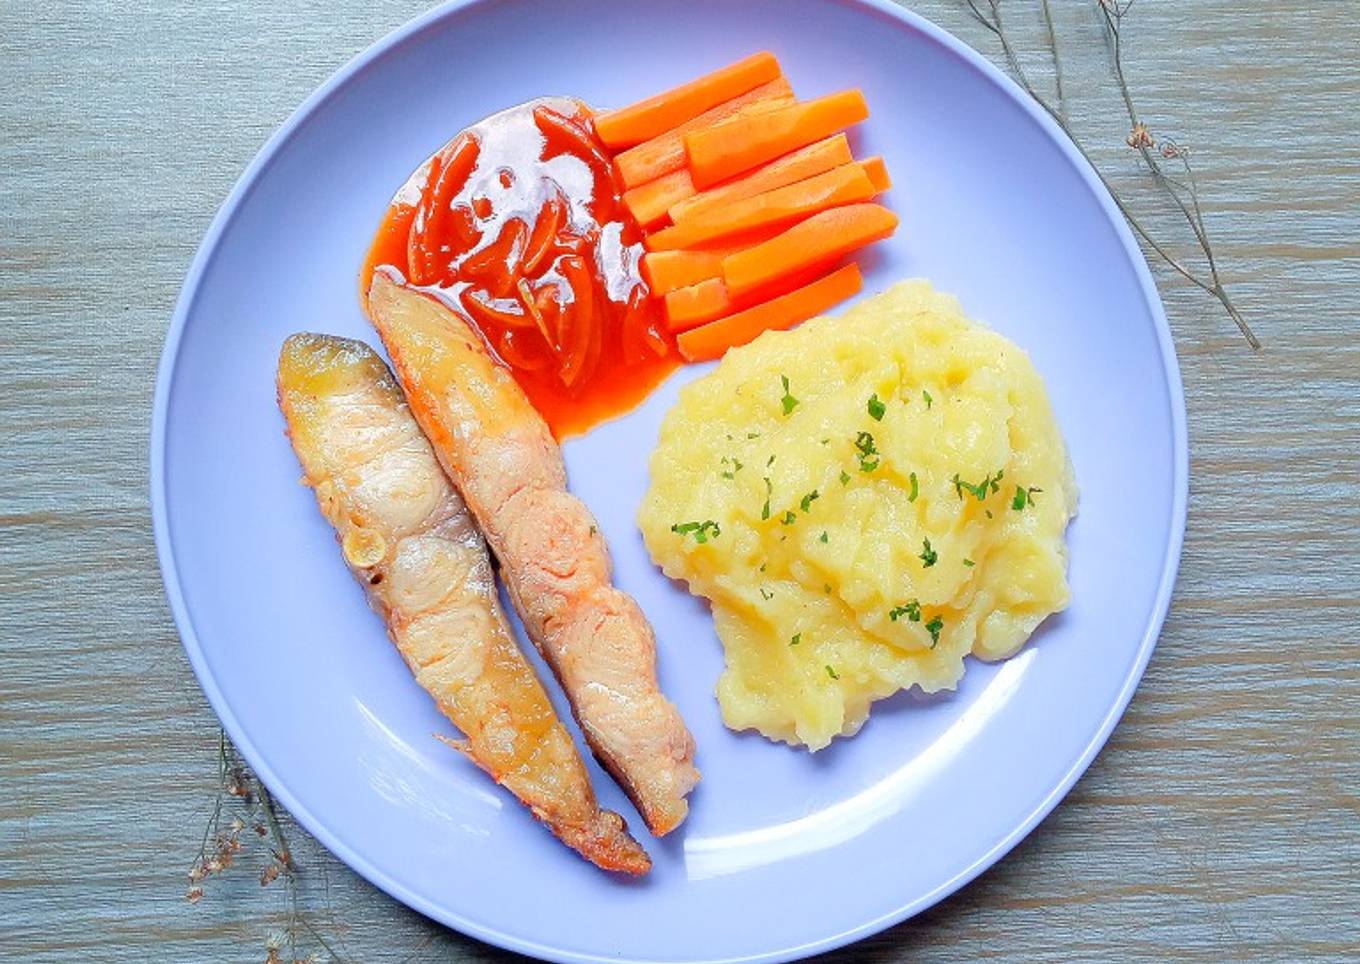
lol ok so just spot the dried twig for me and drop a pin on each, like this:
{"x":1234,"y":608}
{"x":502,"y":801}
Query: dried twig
{"x":220,"y":847}
{"x":1183,"y":193}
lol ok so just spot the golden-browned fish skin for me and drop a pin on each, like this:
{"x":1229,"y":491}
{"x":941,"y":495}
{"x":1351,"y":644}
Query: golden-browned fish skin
{"x":499,"y":451}
{"x":408,"y":538}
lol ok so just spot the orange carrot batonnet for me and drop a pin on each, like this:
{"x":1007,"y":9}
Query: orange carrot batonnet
{"x":709,"y":299}
{"x":827,"y":234}
{"x":666,"y":152}
{"x":877,"y":172}
{"x":803,"y":163}
{"x":648,"y":203}
{"x":711,"y":340}
{"x":719,"y":151}
{"x":656,"y":115}
{"x":847,"y":184}
{"x":665,"y":271}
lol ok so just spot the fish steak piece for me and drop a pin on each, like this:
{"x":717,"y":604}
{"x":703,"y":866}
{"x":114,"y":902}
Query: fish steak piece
{"x":409,"y":540}
{"x":554,"y":561}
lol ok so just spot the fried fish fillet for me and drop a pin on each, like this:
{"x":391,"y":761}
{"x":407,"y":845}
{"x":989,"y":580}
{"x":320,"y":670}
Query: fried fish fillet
{"x":499,"y":452}
{"x":408,"y":538}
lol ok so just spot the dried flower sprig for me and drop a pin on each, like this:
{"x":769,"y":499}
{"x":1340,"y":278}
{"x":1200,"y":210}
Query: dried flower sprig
{"x":1182,"y":190}
{"x":221,"y":846}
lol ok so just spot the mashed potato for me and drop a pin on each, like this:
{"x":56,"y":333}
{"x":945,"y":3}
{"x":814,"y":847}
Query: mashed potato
{"x":864,"y":501}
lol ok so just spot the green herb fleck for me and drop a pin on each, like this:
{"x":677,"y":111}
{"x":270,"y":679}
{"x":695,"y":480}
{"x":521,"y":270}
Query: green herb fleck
{"x":796,"y":639}
{"x":788,"y":401}
{"x":826,"y":588}
{"x":989,"y":513}
{"x":876,"y":408}
{"x":806,"y":502}
{"x":736,"y":466}
{"x":751,"y":435}
{"x":826,"y":441}
{"x":969,"y":563}
{"x":915,"y":489}
{"x":769,"y":488}
{"x":763,"y":565}
{"x":933,"y":627}
{"x":911,"y":610}
{"x":699,"y":530}
{"x":1024,"y":497}
{"x":765,"y":594}
{"x":845,"y":477}
{"x":823,"y":537}
{"x":929,"y":401}
{"x":868,"y":452}
{"x":979,"y":491}
{"x":789,"y":518}
{"x":928,"y":555}
{"x":769,"y":461}
{"x":831,"y":672}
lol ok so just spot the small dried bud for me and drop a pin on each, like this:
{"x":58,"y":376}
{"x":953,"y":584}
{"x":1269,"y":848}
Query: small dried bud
{"x":1170,"y":151}
{"x":261,"y":830}
{"x":273,"y":956}
{"x":269,"y":875}
{"x":197,"y":873}
{"x":212,"y":865}
{"x":1139,"y":137}
{"x":194,"y":894}
{"x":237,"y":825}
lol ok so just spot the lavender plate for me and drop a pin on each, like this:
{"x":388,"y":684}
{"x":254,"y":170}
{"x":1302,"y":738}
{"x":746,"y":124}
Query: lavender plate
{"x":785,"y":854}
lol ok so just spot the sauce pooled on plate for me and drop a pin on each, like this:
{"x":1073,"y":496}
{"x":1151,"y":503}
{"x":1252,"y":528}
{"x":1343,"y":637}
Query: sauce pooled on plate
{"x":517,"y":223}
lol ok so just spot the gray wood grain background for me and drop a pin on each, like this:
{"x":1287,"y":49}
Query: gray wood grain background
{"x":1221,"y":822}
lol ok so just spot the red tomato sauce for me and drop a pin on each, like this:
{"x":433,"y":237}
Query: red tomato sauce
{"x":518,"y":225}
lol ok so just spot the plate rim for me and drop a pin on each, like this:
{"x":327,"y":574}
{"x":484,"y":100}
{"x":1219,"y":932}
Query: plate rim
{"x":165,"y":375}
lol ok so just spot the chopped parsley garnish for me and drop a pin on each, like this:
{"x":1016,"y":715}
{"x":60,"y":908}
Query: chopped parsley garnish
{"x":980,"y":491}
{"x":876,"y":407}
{"x":700,"y":530}
{"x":1024,"y":497}
{"x":845,"y":477}
{"x":831,"y":672}
{"x":911,"y":610}
{"x":769,"y":488}
{"x":751,"y":435}
{"x":806,"y":502}
{"x":788,"y":401}
{"x":763,"y":565}
{"x":766,"y":595}
{"x":826,"y":588}
{"x":929,"y":401}
{"x":736,"y":464}
{"x":989,"y":513}
{"x":928,"y":555}
{"x":868,"y":452}
{"x":823,"y":537}
{"x":933,"y":627}
{"x":593,"y":530}
{"x":969,"y":563}
{"x":826,"y":441}
{"x":789,"y":518}
{"x":796,"y":639}
{"x":915,"y":489}
{"x":769,"y":461}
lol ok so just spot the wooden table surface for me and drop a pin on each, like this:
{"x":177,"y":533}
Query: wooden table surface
{"x":1221,"y":821}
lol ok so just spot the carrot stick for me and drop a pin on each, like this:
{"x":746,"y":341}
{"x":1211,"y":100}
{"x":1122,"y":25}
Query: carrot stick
{"x":740,"y":143}
{"x":828,"y":234}
{"x":801,"y":164}
{"x":696,"y":304}
{"x":665,"y":153}
{"x":877,"y":172}
{"x":656,"y":115}
{"x":667,"y":270}
{"x":711,"y":340}
{"x":649,"y":202}
{"x":847,"y":184}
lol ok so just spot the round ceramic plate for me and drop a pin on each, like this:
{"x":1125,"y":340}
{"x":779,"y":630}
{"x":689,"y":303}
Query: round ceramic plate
{"x":785,"y":853}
